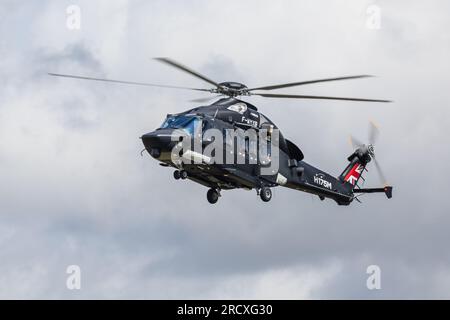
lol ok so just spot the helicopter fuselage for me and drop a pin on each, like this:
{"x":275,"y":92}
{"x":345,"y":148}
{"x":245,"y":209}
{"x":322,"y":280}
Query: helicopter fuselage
{"x":231,"y":114}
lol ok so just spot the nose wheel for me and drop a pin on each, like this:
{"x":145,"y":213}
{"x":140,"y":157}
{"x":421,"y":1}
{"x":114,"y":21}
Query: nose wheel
{"x":212,"y":195}
{"x":266,"y":194}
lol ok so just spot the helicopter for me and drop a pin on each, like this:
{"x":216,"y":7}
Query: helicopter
{"x":249,"y":168}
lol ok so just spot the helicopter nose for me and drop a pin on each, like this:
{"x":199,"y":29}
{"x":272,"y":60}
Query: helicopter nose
{"x":158,"y":141}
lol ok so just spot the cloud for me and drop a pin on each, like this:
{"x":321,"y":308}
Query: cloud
{"x":76,"y":191}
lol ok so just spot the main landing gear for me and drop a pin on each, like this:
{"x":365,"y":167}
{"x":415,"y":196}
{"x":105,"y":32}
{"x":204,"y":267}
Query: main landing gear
{"x":180,"y":174}
{"x":266,"y":194}
{"x":212,"y":195}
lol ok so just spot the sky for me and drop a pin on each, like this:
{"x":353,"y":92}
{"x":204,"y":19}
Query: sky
{"x":75,"y":190}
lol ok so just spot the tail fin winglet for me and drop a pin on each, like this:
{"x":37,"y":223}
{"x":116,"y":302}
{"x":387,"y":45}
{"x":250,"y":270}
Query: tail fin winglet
{"x":388,"y":191}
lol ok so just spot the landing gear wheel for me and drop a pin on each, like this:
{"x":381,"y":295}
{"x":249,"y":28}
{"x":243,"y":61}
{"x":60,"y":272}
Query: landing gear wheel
{"x":183,"y":174}
{"x":212,"y":196}
{"x":265,"y":194}
{"x":176,"y":175}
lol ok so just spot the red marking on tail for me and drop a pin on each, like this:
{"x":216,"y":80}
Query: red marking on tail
{"x":354,"y":173}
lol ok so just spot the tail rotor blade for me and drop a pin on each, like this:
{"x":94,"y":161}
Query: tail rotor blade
{"x":374,"y":132}
{"x":380,"y":172}
{"x":355,"y":143}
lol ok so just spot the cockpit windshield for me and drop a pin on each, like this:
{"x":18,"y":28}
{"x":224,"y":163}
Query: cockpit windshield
{"x":187,"y":123}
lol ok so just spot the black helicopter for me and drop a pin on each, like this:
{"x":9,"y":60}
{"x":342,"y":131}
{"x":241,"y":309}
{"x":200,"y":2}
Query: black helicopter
{"x":230,"y":113}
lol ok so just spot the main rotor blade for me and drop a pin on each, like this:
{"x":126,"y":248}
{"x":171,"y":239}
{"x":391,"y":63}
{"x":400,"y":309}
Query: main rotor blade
{"x":293,"y":84}
{"x":373,"y":133}
{"x":179,"y":66}
{"x":206,"y":99}
{"x":124,"y":82}
{"x":293,"y":96}
{"x":380,"y":172}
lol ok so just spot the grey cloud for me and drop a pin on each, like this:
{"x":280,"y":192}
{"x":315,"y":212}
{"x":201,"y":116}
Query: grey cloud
{"x":76,"y":191}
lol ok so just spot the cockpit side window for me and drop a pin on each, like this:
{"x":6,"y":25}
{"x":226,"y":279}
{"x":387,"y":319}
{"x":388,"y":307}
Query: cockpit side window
{"x":187,"y":123}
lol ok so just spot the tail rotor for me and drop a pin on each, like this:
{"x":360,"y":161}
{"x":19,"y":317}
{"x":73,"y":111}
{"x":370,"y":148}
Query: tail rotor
{"x":369,"y":149}
{"x":364,"y":154}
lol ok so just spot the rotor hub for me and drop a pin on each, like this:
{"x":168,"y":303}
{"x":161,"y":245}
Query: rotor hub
{"x":371,"y":150}
{"x":232,"y":89}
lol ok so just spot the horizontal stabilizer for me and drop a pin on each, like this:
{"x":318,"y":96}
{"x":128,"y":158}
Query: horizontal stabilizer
{"x":386,"y":190}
